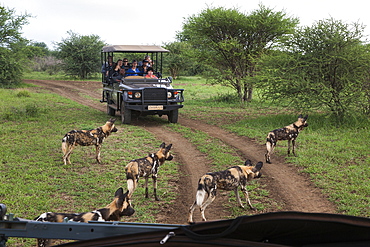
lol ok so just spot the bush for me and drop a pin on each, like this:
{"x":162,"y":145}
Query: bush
{"x":10,"y":67}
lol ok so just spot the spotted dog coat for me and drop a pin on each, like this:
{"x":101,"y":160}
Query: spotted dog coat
{"x":289,"y":133}
{"x":86,"y":138}
{"x":119,"y":207}
{"x":145,"y":167}
{"x":230,"y":179}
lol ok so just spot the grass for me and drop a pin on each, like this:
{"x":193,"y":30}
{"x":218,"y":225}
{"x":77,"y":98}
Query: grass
{"x":336,"y":158}
{"x":33,"y":178}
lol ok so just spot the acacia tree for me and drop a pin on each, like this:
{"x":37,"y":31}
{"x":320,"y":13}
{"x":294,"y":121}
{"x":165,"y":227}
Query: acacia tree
{"x":10,"y":35}
{"x":179,"y":59}
{"x":326,"y":64}
{"x":80,"y":54}
{"x":232,"y":42}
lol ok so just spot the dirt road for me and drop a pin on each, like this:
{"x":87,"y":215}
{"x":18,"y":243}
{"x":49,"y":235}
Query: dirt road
{"x":293,"y":191}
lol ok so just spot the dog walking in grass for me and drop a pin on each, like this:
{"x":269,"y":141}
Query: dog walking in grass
{"x":230,"y":179}
{"x":146,"y":167}
{"x":119,"y":207}
{"x":289,"y":133}
{"x":86,"y":138}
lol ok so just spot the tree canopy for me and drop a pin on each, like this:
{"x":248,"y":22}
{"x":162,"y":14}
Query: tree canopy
{"x":10,"y":37}
{"x":323,"y":65}
{"x":231,"y":42}
{"x":81,"y":54}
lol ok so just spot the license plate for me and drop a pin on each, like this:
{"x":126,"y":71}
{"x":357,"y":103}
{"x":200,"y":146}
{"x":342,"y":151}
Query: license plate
{"x":155,"y":107}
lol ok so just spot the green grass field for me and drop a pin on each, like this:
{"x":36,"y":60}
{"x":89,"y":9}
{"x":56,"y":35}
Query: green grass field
{"x":336,"y":157}
{"x":33,"y":179}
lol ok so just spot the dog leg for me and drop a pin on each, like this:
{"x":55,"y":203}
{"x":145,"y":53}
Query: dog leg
{"x":238,"y":197}
{"x":245,"y":192}
{"x":66,"y":156}
{"x":97,"y":154}
{"x":293,"y":147}
{"x":154,"y":177}
{"x":191,"y":212}
{"x":146,"y":187}
{"x":289,"y":142}
{"x":210,"y":199}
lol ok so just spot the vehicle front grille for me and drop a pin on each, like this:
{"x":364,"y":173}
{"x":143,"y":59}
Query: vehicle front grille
{"x":155,"y":94}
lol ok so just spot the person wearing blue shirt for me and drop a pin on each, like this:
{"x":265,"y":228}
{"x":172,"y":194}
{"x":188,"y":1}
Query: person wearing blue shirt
{"x":133,"y":71}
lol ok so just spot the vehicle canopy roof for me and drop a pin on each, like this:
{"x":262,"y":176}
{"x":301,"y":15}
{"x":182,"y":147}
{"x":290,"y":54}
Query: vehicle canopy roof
{"x":134,"y":48}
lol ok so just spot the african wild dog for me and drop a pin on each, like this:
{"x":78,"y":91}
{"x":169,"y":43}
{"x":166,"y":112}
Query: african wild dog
{"x":230,"y":179}
{"x":120,"y":206}
{"x":86,"y":138}
{"x":145,"y":167}
{"x":289,"y":133}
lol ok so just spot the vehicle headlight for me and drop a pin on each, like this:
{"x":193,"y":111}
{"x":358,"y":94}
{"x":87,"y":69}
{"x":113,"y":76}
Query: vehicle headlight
{"x":169,"y":94}
{"x":137,"y":95}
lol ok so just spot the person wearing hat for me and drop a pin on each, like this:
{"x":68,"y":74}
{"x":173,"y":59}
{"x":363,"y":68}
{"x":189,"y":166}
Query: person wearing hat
{"x":150,"y":73}
{"x":144,"y":67}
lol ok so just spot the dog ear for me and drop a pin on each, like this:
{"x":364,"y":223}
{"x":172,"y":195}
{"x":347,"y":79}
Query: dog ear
{"x":300,"y":116}
{"x":112,"y":120}
{"x":119,"y":192}
{"x":248,"y":163}
{"x":305,"y":118}
{"x":163,"y":145}
{"x":168,"y":147}
{"x":258,"y":166}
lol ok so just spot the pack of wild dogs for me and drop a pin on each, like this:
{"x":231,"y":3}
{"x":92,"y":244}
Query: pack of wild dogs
{"x":230,"y":179}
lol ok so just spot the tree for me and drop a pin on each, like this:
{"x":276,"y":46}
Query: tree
{"x":326,"y":64}
{"x":81,"y":54}
{"x":232,"y":42}
{"x":178,"y":60}
{"x":10,"y":36}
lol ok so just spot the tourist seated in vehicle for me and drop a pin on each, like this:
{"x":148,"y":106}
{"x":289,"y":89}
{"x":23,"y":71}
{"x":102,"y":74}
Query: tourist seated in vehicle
{"x":107,"y":68}
{"x":133,"y":71}
{"x":147,"y":58}
{"x":118,"y":66}
{"x":150,"y":74}
{"x":144,"y":67}
{"x":117,"y":76}
{"x":125,"y":65}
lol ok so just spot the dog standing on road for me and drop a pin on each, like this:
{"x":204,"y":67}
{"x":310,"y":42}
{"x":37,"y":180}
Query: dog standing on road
{"x":120,"y":206}
{"x":145,"y":167}
{"x":289,"y":133}
{"x":230,"y":179}
{"x":86,"y":138}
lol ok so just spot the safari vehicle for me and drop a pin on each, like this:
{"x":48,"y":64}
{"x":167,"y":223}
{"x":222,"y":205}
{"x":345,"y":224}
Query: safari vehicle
{"x":138,"y":94}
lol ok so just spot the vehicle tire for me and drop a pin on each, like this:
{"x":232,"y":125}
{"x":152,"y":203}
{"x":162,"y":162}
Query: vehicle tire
{"x":173,"y":116}
{"x":125,"y":114}
{"x":110,"y":111}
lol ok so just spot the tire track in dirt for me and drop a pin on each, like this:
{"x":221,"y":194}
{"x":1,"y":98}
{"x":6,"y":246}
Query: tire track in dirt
{"x":284,"y":180}
{"x":195,"y":163}
{"x":286,"y":185}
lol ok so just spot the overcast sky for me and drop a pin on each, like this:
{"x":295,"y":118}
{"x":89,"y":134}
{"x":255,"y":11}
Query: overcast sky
{"x":156,"y":22}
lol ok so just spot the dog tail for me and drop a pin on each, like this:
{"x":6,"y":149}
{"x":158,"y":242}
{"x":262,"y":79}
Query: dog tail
{"x":64,"y":144}
{"x":202,"y":190}
{"x":201,"y":194}
{"x":270,"y":142}
{"x":131,"y":171}
{"x":130,"y":187}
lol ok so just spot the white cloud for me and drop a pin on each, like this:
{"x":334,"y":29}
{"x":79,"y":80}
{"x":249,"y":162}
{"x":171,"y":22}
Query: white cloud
{"x":156,"y":22}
